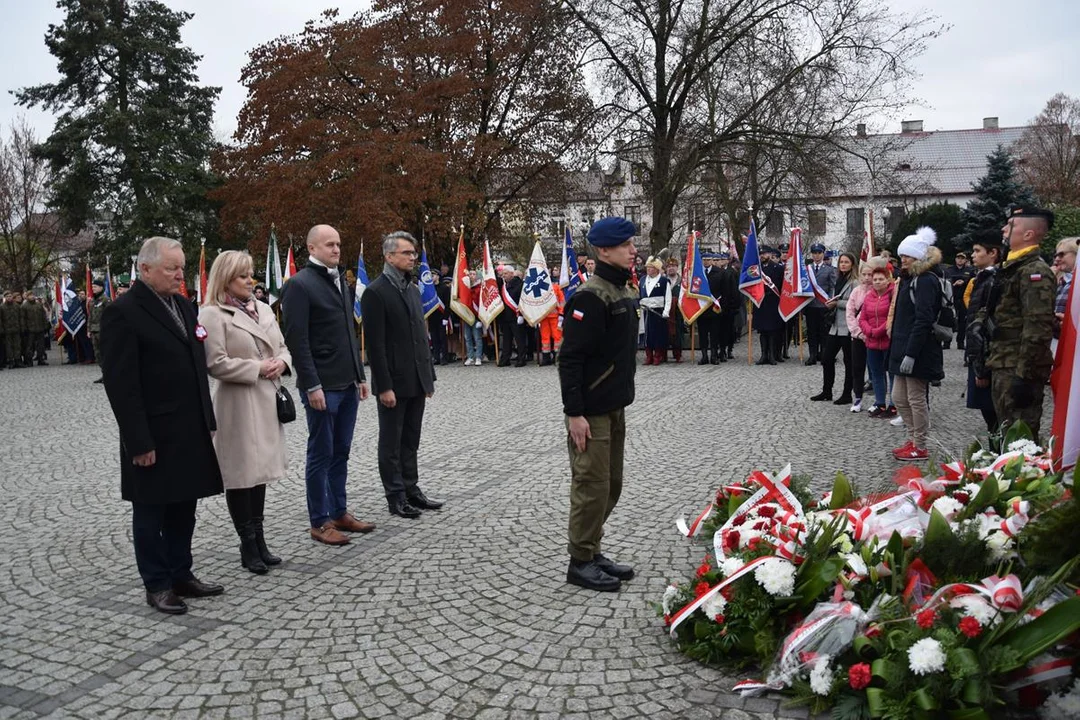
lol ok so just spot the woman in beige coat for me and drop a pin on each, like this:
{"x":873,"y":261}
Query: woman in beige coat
{"x":246,"y":354}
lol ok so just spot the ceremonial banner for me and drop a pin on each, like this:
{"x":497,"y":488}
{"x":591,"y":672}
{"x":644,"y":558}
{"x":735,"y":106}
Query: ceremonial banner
{"x":273,"y":269}
{"x":361,"y":284}
{"x":694,"y":294}
{"x":796,"y":292}
{"x":868,"y":250}
{"x":110,"y":291}
{"x":569,"y":272}
{"x":1065,"y":381}
{"x":202,"y":272}
{"x":537,"y":298}
{"x":74,"y":315}
{"x":750,"y":282}
{"x":290,"y":266}
{"x":460,"y":289}
{"x":428,"y":297}
{"x":490,"y":302}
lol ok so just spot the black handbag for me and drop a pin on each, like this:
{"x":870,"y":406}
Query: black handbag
{"x":286,"y":410}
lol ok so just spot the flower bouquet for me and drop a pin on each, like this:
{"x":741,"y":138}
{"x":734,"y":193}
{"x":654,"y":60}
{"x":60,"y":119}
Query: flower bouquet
{"x":949,"y":597}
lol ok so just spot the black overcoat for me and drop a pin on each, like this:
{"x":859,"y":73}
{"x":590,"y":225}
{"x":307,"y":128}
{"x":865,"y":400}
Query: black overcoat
{"x":397,"y":342}
{"x":157,"y":385}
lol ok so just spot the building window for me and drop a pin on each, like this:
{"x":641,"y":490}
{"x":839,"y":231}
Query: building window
{"x":557,"y":228}
{"x":696,"y":218}
{"x":855,"y":224}
{"x":817,"y":222}
{"x":633,"y":214}
{"x":774,"y":225}
{"x":896,"y":216}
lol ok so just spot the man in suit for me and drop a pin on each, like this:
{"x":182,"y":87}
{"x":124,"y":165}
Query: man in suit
{"x":512,"y":325}
{"x":730,"y":302}
{"x":317,"y":312}
{"x":402,"y":373}
{"x":154,"y":369}
{"x":815,"y":311}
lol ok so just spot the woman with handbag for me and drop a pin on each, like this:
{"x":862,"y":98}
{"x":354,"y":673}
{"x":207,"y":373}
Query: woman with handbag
{"x":838,"y":337}
{"x":246,"y":354}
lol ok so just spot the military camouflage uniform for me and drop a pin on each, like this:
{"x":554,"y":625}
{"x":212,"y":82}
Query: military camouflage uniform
{"x":28,"y":312}
{"x":1023,"y":326}
{"x":93,"y":323}
{"x":39,"y":326}
{"x":13,"y":329}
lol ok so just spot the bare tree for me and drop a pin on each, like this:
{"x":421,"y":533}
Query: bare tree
{"x":691,"y":80}
{"x":1049,"y":151}
{"x":31,"y":240}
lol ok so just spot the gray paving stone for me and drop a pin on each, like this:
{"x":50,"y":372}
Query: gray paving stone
{"x":462,"y":613}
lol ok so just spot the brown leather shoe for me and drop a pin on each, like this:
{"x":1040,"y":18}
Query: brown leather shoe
{"x":329,"y":535}
{"x":348,"y":523}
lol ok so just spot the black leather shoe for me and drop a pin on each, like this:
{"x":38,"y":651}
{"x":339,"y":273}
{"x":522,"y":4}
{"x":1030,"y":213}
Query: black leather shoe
{"x":519,"y":363}
{"x":197,"y":588}
{"x":810,"y":361}
{"x":842,"y":400}
{"x":821,"y":396}
{"x":762,"y":361}
{"x":99,"y":381}
{"x":589,"y":575}
{"x":730,"y":354}
{"x":402,"y":508}
{"x":419,"y":500}
{"x":166,"y":601}
{"x":614,"y":569}
{"x":703,"y":361}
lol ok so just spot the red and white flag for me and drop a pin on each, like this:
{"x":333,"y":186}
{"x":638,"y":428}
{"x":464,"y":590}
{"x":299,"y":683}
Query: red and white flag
{"x":290,"y":266}
{"x":460,"y":289}
{"x":1065,"y":382}
{"x":491,"y":303}
{"x":868,"y":249}
{"x":796,"y":292}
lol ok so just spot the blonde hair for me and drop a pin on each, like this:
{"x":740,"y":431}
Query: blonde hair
{"x":872,"y":264}
{"x":227,"y":266}
{"x":1068,"y":244}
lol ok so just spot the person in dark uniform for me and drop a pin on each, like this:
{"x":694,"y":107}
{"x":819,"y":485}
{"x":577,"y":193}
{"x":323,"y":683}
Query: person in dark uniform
{"x":731,"y":301}
{"x":958,"y":275}
{"x":437,"y":320}
{"x":706,"y":321}
{"x":596,"y":374}
{"x":511,"y":325}
{"x":986,"y":254}
{"x":825,"y":274}
{"x":767,"y":320}
{"x":715,"y":276}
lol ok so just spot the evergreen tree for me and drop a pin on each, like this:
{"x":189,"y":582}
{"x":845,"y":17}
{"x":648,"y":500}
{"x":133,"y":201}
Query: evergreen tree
{"x":133,"y":135}
{"x":943,"y":217}
{"x":995,"y":192}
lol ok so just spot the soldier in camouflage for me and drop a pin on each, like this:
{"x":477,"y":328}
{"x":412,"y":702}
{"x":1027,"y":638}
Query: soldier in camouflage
{"x":38,"y":325}
{"x":13,"y":328}
{"x":1021,"y":322}
{"x":95,"y":310}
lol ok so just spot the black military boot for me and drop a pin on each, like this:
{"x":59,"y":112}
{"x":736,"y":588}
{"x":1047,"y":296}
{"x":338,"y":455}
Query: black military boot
{"x":612,"y":568}
{"x":587,"y":574}
{"x":249,"y":551}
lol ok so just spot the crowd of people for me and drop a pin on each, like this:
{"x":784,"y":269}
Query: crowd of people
{"x":24,"y":328}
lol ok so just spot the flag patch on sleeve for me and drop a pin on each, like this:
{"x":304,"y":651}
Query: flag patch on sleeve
{"x":1036,"y":277}
{"x":578,"y":315}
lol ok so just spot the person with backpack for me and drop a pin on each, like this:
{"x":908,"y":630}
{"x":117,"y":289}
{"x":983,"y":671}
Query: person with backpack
{"x":921,"y":321}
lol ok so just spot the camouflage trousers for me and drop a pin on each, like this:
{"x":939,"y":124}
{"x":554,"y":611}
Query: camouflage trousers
{"x":13,"y":347}
{"x":95,"y":340}
{"x":596,"y":481}
{"x":1005,"y":406}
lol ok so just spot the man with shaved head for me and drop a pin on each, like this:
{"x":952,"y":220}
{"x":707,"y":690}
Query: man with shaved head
{"x":317,"y":312}
{"x":1021,"y":321}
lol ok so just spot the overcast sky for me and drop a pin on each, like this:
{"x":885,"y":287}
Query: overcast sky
{"x":1000,"y":58}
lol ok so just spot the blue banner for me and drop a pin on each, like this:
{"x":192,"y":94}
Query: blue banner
{"x":428,"y":297}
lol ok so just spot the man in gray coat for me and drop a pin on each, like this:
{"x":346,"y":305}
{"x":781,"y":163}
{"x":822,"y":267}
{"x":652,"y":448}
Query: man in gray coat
{"x":825,"y":274}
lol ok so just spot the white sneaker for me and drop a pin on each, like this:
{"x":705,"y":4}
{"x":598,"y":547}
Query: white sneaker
{"x":469,"y":361}
{"x":857,"y":407}
{"x":478,"y":361}
{"x":897,"y":421}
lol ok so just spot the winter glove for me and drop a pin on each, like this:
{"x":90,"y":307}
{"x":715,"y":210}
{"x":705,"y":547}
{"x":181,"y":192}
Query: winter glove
{"x":560,"y":322}
{"x":445,"y":323}
{"x":1022,"y":392}
{"x":666,"y":315}
{"x":479,"y":324}
{"x":521,"y":320}
{"x":907,"y":365}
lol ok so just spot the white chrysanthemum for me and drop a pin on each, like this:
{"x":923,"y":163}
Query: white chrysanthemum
{"x":670,"y":594}
{"x":714,"y":606}
{"x":1058,"y":707}
{"x":972,"y":489}
{"x":821,"y":676}
{"x":1025,"y":446}
{"x":977,"y":607}
{"x":926,"y":656}
{"x":730,"y":566}
{"x":776,"y":576}
{"x":1000,"y":546}
{"x":947,"y":506}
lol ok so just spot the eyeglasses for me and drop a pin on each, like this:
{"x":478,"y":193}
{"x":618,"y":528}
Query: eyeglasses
{"x":407,"y":253}
{"x":1063,"y":254}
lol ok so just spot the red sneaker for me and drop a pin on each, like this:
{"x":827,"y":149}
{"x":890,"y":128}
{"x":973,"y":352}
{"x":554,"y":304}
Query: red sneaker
{"x":913,"y":454}
{"x":898,"y":452}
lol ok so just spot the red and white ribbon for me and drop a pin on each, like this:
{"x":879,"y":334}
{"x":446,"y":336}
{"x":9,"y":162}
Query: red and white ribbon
{"x":688,"y":610}
{"x":695,"y":527}
{"x":773,"y":488}
{"x":1006,"y":594}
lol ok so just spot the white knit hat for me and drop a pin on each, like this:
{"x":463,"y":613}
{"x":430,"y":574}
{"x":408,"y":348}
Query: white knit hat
{"x":917,"y":245}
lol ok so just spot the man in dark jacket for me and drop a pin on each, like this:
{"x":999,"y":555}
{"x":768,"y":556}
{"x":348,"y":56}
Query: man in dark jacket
{"x":713,"y":321}
{"x":915,"y":353}
{"x":596,"y":373}
{"x":815,"y":312}
{"x":402,"y":373}
{"x":511,"y":325}
{"x":155,"y":375}
{"x":958,"y":275}
{"x":986,"y":253}
{"x":767,"y":320}
{"x":317,"y":312}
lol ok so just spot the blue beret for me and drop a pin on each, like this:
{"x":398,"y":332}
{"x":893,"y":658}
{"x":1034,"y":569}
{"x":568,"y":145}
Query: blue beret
{"x":817,"y":247}
{"x":611,"y":231}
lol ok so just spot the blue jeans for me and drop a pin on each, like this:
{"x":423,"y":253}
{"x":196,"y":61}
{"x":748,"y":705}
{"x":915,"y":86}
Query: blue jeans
{"x":474,"y":341}
{"x":875,"y":363}
{"x":330,"y":434}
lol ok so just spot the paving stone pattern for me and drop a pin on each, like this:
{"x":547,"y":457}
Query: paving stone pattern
{"x":463,"y":613}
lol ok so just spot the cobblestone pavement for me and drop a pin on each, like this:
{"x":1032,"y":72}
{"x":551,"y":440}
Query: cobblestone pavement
{"x":462,"y":613}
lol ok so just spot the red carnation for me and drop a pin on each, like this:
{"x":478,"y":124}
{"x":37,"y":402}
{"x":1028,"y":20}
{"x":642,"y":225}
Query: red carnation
{"x":754,"y":542}
{"x":667,"y":620}
{"x":766,"y":511}
{"x":727,"y":593}
{"x":731,"y":540}
{"x":859,"y":676}
{"x":970,"y":627}
{"x":703,"y":569}
{"x":739,"y":520}
{"x":873,"y":631}
{"x":720,"y":619}
{"x":962,"y":497}
{"x":701,"y":588}
{"x":925,"y":619}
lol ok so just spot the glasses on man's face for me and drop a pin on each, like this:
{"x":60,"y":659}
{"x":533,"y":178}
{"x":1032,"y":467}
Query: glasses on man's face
{"x":406,"y":253}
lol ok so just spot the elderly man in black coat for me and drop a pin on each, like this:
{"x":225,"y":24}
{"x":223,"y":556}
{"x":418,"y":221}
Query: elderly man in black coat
{"x":402,"y":372}
{"x":154,"y":370}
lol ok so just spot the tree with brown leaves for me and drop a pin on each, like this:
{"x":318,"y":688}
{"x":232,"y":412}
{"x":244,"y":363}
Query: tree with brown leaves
{"x":1049,"y":152}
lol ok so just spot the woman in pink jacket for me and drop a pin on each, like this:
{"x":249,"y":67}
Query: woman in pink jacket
{"x":874,"y":324}
{"x":858,"y":346}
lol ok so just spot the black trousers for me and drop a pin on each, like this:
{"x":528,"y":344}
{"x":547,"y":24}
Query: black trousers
{"x":961,"y":324}
{"x":709,"y":326}
{"x":858,"y":367}
{"x":162,"y":537}
{"x":725,"y":324}
{"x":512,"y":337}
{"x":399,"y":440}
{"x":815,"y":330}
{"x":246,"y":504}
{"x":438,"y":340}
{"x":834,"y":345}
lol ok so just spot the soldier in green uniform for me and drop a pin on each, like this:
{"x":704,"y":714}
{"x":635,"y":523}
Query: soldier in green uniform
{"x":97,"y":306}
{"x":38,"y":324}
{"x":29,"y":322}
{"x":3,"y":333}
{"x":1021,"y":322}
{"x":13,"y":329}
{"x":597,"y":363}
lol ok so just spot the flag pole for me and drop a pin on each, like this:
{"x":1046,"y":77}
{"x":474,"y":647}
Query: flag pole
{"x":693,"y":325}
{"x":749,"y":333}
{"x":799,"y":321}
{"x":495,"y":337}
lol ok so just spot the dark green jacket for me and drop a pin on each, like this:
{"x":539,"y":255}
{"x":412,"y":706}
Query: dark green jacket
{"x":1024,"y":319}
